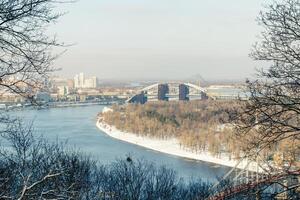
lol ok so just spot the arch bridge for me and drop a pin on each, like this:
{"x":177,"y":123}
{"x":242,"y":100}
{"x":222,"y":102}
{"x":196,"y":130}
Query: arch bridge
{"x":171,"y":91}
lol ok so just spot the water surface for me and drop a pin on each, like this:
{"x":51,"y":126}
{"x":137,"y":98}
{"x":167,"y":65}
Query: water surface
{"x":76,"y":125}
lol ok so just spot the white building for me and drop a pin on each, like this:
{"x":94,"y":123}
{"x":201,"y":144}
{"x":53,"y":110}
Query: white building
{"x":76,"y":82}
{"x":95,"y":81}
{"x":81,"y":82}
{"x":90,"y":82}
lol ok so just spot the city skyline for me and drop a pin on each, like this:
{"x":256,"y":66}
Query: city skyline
{"x":156,"y":40}
{"x":81,"y":81}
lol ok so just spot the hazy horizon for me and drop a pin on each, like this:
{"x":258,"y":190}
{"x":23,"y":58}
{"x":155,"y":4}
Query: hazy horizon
{"x":151,"y":39}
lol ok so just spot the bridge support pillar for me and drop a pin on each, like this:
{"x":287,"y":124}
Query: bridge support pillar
{"x":183,"y":92}
{"x":163,"y":90}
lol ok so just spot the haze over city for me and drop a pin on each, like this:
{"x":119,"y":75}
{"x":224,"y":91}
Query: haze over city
{"x":150,"y":99}
{"x":134,"y":39}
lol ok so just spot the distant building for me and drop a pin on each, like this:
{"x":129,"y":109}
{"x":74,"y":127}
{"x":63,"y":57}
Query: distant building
{"x":76,"y":81}
{"x":95,"y":81}
{"x":90,"y":82}
{"x":11,"y":97}
{"x":58,"y":81}
{"x":81,"y":82}
{"x":88,"y":91}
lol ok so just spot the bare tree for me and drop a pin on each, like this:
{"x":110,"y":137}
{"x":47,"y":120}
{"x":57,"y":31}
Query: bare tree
{"x":25,"y":63}
{"x":138,"y":179}
{"x":25,"y":48}
{"x":35,"y":169}
{"x":271,"y":117}
{"x":273,"y":110}
{"x":32,"y":168}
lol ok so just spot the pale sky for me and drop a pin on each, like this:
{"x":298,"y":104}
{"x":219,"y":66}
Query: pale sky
{"x":159,"y":39}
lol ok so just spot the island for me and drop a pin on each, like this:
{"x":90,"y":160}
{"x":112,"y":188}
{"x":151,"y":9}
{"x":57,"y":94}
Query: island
{"x":199,"y":130}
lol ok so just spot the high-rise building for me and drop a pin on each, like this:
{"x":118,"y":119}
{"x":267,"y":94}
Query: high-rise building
{"x":76,"y":81}
{"x":95,"y":82}
{"x":81,"y":82}
{"x":90,"y":82}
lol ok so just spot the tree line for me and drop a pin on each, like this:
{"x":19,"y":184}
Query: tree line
{"x":33,"y":168}
{"x":198,"y":125}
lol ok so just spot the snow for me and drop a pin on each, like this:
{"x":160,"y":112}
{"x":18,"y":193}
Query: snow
{"x":107,"y":109}
{"x":172,"y":147}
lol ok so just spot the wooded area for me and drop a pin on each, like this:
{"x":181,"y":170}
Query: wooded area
{"x":198,"y":125}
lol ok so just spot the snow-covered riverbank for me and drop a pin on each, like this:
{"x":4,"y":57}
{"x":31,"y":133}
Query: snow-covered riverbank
{"x":170,"y":146}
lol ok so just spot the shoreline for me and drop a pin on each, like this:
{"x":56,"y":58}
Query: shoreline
{"x":172,"y":147}
{"x":53,"y":105}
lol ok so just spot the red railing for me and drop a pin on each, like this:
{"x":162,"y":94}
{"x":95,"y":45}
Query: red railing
{"x":230,"y":192}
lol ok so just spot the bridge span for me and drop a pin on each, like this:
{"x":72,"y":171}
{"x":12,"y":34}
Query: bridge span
{"x":169,"y":92}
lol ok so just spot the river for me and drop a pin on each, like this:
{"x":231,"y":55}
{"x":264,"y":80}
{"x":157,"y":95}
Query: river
{"x":76,"y":125}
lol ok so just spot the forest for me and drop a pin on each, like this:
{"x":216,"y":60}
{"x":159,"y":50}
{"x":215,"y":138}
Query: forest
{"x":200,"y":126}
